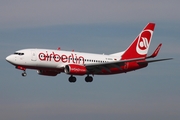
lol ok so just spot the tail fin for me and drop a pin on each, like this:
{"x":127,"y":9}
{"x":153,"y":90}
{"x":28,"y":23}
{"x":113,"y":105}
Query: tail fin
{"x":139,"y":47}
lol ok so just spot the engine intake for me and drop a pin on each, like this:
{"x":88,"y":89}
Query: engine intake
{"x":74,"y":69}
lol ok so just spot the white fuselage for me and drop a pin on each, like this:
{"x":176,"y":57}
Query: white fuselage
{"x":47,"y":58}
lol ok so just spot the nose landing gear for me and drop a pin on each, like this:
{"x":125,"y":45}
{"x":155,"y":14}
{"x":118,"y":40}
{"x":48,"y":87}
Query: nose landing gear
{"x":22,"y":68}
{"x":24,"y":74}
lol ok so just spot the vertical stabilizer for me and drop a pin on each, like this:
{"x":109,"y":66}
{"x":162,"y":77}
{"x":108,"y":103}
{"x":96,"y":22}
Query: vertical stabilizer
{"x":140,"y":46}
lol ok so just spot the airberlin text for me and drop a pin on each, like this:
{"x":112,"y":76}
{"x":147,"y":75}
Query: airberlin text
{"x":72,"y":58}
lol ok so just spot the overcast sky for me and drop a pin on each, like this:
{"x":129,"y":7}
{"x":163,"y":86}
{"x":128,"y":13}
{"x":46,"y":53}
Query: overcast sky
{"x":35,"y":13}
{"x":97,"y":26}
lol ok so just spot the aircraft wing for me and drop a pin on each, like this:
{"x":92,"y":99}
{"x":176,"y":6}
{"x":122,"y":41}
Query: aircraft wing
{"x":97,"y":67}
{"x":150,"y":61}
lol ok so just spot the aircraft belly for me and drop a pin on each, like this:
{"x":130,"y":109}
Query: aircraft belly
{"x":47,"y":64}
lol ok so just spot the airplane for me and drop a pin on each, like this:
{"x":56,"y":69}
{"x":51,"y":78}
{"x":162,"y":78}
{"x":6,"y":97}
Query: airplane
{"x":51,"y":62}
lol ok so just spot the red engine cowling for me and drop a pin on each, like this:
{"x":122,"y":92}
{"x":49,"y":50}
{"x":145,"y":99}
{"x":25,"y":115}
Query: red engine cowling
{"x":74,"y":69}
{"x":47,"y":73}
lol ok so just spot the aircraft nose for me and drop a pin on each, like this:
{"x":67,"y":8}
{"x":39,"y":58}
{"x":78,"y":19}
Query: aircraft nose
{"x":9,"y":58}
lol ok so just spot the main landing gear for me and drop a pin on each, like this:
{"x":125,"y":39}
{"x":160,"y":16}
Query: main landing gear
{"x":88,"y":78}
{"x":72,"y":79}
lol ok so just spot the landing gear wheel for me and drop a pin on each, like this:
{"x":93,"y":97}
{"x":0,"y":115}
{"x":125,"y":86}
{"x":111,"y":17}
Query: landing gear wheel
{"x":72,"y":79}
{"x":24,"y":74}
{"x":89,"y":79}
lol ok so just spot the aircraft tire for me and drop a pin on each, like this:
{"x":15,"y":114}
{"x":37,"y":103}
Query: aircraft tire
{"x":88,"y":79}
{"x":24,"y":74}
{"x":72,"y":79}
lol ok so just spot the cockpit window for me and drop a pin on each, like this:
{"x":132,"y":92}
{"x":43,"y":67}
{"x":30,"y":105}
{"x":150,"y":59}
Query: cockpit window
{"x":17,"y":53}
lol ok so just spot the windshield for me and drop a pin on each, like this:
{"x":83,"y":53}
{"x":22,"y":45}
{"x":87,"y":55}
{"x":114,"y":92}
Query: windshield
{"x":18,"y":53}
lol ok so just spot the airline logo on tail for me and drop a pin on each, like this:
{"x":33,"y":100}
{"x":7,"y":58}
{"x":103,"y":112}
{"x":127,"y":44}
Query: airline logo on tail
{"x":144,"y":42}
{"x":139,"y":47}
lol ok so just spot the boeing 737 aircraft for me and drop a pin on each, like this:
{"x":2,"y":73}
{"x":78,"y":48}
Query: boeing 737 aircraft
{"x":52,"y":62}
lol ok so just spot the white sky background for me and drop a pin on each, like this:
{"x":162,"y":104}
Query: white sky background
{"x":90,"y":26}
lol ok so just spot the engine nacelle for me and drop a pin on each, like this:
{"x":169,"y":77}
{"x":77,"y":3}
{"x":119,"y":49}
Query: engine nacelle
{"x":74,"y":69}
{"x":47,"y":73}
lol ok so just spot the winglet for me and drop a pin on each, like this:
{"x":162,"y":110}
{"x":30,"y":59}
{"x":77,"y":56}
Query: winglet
{"x":155,"y":53}
{"x":58,"y":48}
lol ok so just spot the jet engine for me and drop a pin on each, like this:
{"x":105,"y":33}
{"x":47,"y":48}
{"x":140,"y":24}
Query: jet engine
{"x":75,"y":69}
